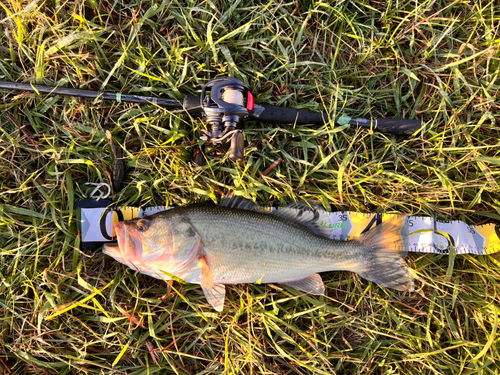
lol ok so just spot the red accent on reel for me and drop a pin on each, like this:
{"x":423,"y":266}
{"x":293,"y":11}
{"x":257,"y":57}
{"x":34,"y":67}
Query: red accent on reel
{"x":250,"y":101}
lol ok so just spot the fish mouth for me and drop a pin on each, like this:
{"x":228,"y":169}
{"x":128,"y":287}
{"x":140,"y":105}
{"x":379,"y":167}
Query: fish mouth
{"x":114,"y":249}
{"x":128,"y":247}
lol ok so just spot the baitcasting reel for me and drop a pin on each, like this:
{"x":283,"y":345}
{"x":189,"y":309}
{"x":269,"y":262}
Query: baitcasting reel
{"x":226,"y":102}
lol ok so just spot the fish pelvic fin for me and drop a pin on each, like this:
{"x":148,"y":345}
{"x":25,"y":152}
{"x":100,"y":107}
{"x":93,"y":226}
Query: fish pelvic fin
{"x":214,"y":293}
{"x":384,"y":248}
{"x":215,"y":296}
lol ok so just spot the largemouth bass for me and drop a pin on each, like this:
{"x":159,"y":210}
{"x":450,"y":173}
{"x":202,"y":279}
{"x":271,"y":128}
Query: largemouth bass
{"x":237,"y":242}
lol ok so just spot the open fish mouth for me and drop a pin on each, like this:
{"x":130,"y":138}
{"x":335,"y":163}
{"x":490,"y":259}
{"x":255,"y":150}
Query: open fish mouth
{"x":124,"y":250}
{"x":114,"y":249}
{"x":128,"y":246}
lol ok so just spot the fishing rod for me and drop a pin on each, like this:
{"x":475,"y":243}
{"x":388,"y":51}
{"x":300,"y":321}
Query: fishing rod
{"x":226,"y":103}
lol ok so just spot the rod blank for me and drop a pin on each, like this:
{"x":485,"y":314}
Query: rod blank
{"x":126,"y":98}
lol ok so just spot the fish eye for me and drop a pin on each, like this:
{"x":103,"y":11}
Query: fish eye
{"x":142,"y":225}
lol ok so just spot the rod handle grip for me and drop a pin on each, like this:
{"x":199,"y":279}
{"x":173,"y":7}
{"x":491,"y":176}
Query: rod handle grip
{"x":398,"y":126}
{"x":283,"y":115}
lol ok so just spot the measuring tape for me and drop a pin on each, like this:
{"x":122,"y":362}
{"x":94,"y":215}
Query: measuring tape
{"x":427,"y":235}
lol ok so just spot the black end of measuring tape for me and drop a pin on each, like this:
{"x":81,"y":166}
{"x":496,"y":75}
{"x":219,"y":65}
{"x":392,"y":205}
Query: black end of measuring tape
{"x":94,"y":203}
{"x":91,"y":203}
{"x":91,"y":246}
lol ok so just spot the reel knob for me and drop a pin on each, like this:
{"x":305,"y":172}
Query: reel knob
{"x":237,"y":146}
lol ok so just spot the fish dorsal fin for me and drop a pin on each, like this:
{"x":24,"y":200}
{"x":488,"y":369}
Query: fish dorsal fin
{"x":309,"y":214}
{"x":235,"y":201}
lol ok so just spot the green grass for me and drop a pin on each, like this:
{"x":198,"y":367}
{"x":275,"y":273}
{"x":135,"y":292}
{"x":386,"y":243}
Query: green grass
{"x":434,"y":60}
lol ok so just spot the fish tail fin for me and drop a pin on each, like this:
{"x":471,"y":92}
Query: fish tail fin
{"x":384,"y":248}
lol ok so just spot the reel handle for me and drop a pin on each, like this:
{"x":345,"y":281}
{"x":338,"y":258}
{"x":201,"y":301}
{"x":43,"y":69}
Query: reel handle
{"x":237,"y":146}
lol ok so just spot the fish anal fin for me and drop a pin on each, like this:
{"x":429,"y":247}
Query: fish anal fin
{"x":312,"y":284}
{"x":207,"y":277}
{"x":215,"y":296}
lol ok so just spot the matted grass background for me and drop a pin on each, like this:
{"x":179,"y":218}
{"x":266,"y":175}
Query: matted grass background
{"x":433,"y":60}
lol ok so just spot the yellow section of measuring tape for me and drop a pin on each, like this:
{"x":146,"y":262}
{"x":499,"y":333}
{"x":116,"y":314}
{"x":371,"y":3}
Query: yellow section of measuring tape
{"x":360,"y":222}
{"x":491,"y":236}
{"x":128,"y":214}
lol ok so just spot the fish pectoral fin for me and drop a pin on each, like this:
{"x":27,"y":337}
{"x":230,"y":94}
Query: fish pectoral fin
{"x":215,"y":296}
{"x":312,"y":284}
{"x":207,"y":277}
